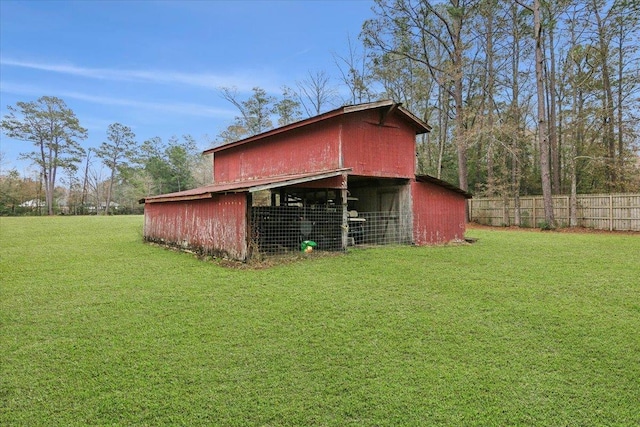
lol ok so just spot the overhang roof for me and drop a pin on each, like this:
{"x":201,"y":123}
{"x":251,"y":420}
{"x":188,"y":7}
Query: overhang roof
{"x":250,"y":186}
{"x":386,"y":107}
{"x":208,"y":191}
{"x":445,"y":184}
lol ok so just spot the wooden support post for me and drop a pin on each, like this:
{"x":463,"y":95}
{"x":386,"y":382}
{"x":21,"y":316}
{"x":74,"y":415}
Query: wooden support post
{"x":345,"y":219}
{"x":250,"y":245}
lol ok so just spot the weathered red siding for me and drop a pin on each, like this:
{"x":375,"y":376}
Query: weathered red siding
{"x":371,"y":149}
{"x":311,"y":148}
{"x":216,"y":225}
{"x":438,"y":214}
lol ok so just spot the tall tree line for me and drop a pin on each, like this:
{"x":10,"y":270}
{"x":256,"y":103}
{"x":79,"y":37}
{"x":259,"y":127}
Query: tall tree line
{"x":525,"y":97}
{"x":71,"y":178}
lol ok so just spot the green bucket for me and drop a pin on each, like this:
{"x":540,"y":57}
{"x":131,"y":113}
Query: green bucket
{"x":307,"y":246}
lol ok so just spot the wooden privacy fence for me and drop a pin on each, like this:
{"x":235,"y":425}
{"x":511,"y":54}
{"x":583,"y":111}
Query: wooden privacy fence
{"x":599,"y":211}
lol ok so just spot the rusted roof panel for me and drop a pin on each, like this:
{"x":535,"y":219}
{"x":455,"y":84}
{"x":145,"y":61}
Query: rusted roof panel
{"x":208,"y":191}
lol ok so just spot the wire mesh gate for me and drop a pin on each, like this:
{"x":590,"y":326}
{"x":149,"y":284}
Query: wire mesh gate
{"x":281,"y":229}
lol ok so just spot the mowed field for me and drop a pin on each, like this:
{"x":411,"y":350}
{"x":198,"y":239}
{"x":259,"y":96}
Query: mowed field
{"x":520,"y":328}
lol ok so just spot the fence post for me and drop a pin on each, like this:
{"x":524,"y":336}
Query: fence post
{"x":610,"y":212}
{"x":534,"y":223}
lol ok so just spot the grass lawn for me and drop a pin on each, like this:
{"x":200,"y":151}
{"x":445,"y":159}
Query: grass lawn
{"x":520,"y":328}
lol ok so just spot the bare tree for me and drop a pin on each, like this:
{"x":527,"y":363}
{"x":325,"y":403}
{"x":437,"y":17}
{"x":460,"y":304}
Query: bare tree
{"x":315,"y":93}
{"x":355,"y":73}
{"x":604,"y":35}
{"x":423,"y":25}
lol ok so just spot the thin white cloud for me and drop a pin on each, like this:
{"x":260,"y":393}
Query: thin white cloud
{"x":189,"y":109}
{"x":244,"y":83}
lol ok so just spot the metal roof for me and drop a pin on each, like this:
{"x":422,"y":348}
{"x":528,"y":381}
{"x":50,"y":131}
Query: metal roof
{"x":250,"y":186}
{"x":389,"y":105}
{"x":445,"y":184}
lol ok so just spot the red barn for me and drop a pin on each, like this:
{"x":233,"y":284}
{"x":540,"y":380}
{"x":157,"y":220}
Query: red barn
{"x":346,"y":177}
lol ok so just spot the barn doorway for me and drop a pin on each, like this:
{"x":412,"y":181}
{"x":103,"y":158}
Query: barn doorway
{"x":376,"y":211}
{"x":383,"y":207}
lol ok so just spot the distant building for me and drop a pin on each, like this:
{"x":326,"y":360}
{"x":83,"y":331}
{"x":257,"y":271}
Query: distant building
{"x":33,"y":203}
{"x":102,"y":206}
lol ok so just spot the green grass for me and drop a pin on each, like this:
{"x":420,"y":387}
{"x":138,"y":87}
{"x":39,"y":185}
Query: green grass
{"x":520,"y":328}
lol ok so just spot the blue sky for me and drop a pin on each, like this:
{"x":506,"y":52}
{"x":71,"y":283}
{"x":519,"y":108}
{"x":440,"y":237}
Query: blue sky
{"x":158,"y":66}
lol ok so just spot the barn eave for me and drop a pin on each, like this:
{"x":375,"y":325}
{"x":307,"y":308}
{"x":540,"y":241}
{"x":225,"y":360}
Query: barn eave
{"x":208,"y":192}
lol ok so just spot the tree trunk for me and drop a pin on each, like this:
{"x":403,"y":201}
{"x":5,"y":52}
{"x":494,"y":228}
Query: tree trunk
{"x":573,"y":158}
{"x":607,"y":100}
{"x":460,"y":136}
{"x":573,"y":198}
{"x":443,"y":121}
{"x":85,"y":182}
{"x":52,"y":182}
{"x":619,"y":103}
{"x":110,"y":188}
{"x":515,"y":113}
{"x":553,"y":131}
{"x":491,"y":180}
{"x":542,"y":128}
